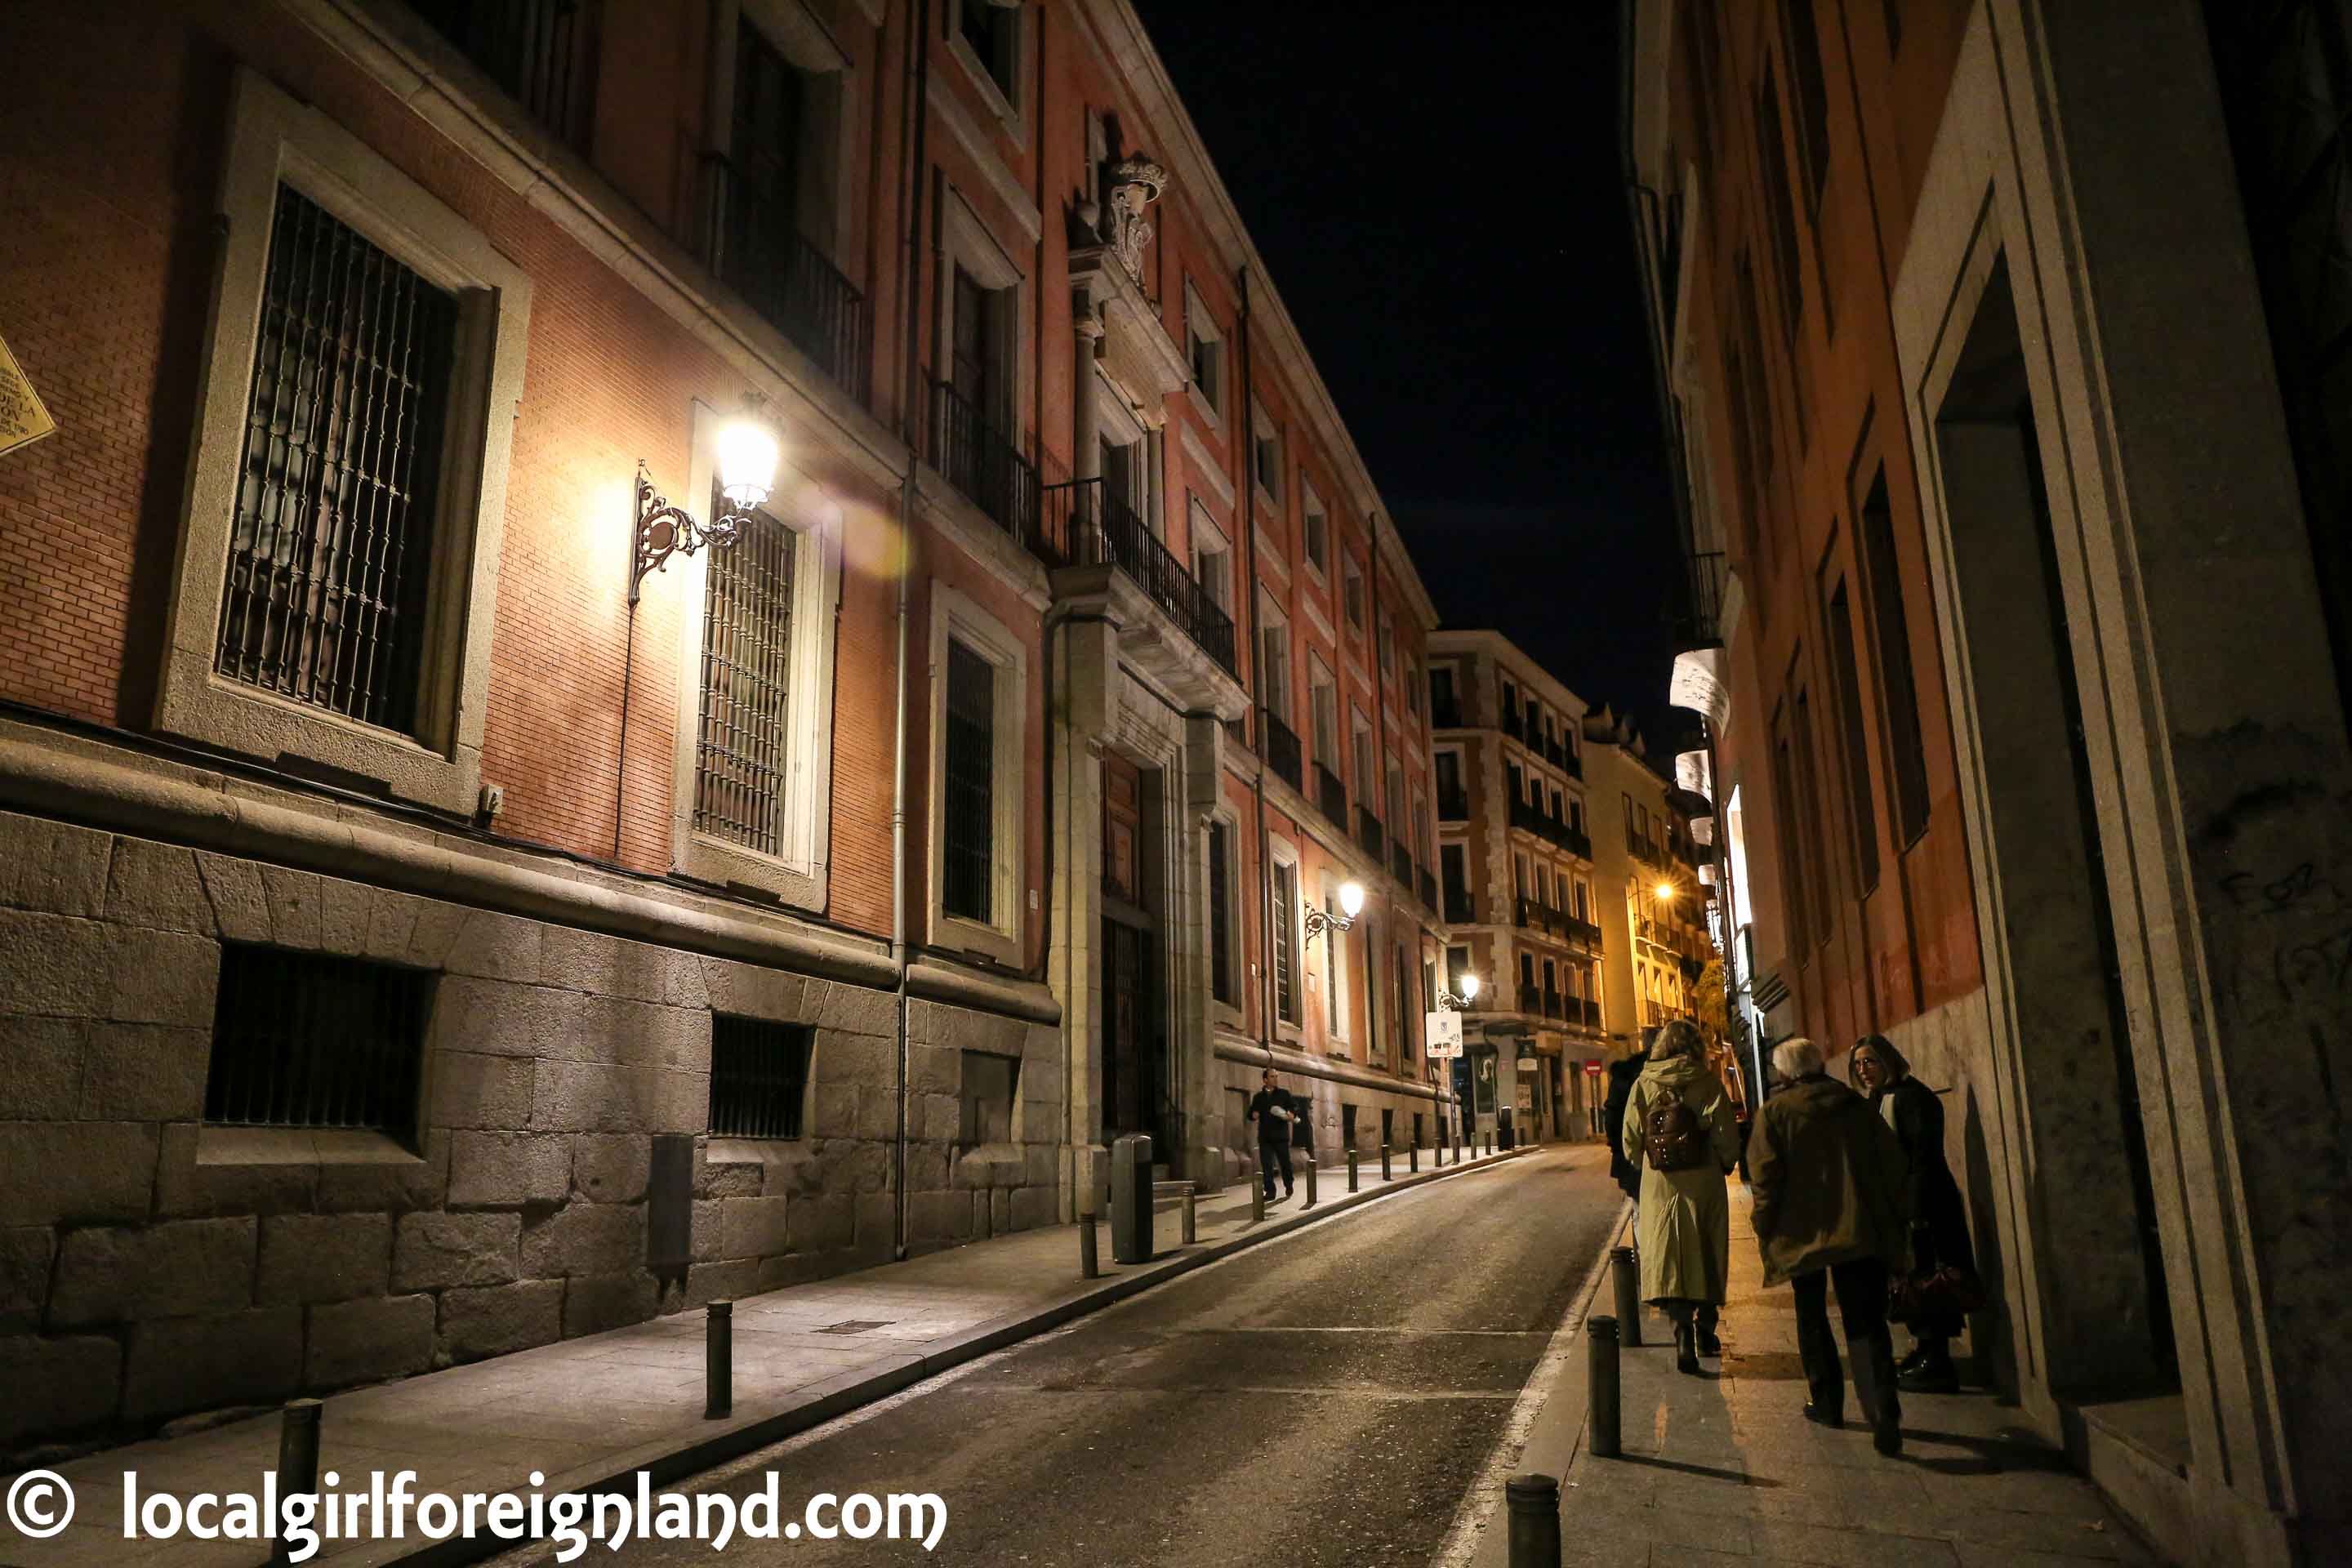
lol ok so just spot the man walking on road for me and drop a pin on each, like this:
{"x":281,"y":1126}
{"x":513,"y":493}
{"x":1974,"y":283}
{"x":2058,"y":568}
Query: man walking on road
{"x":1275,"y":1111}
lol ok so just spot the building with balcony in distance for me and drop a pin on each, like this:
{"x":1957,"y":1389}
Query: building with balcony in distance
{"x":1646,"y":878}
{"x":1999,"y":345}
{"x":475,"y":867}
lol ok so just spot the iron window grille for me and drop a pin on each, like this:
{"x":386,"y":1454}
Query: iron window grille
{"x":303,"y":1039}
{"x":1286,"y":956}
{"x":331,"y":548}
{"x":742,"y":760}
{"x":1221,"y":918}
{"x":968,"y":850}
{"x":759,"y":1077}
{"x":542,"y":53}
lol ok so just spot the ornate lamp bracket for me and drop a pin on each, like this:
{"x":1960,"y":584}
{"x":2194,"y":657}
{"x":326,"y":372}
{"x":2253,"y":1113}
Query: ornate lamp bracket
{"x":663,"y":530}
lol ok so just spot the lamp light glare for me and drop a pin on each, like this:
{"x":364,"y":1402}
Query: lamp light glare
{"x":747,"y":463}
{"x":1665,"y":889}
{"x":1351,"y":899}
{"x":1470,"y":987}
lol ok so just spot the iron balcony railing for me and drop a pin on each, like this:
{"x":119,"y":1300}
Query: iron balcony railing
{"x":541,"y":53}
{"x":1400,"y":861}
{"x":1531,"y":999}
{"x":1278,"y":744}
{"x":1461,"y":909}
{"x":1526,"y":815}
{"x":1085,"y":525}
{"x":1331,"y":795}
{"x":1511,"y":724}
{"x":1577,"y":843}
{"x":1575,"y":764}
{"x":752,"y":238}
{"x":985,"y":464}
{"x":1592,"y":1012}
{"x":1551,"y":1005}
{"x":1584,"y":931}
{"x":1453,"y":805}
{"x":1555,"y":752}
{"x":1426,"y":886}
{"x":1368,"y":832}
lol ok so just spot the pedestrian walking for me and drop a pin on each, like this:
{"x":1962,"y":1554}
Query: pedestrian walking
{"x":1680,"y":1136}
{"x":1622,"y":1074}
{"x":1939,"y":1220}
{"x":1827,"y":1177}
{"x":1275,"y":1110}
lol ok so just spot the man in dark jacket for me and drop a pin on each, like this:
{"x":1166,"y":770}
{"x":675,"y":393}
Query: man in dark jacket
{"x":1827,"y":1177}
{"x":1274,"y":1110}
{"x":1621,"y":1171}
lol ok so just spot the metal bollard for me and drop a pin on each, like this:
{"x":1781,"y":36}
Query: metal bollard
{"x":1601,"y":1388}
{"x":298,"y":1462}
{"x":1623,"y":1270}
{"x":1088,"y":1267}
{"x":1258,"y":1202}
{"x":1412,"y":1161}
{"x":719,"y":1361}
{"x":1352,"y":1167}
{"x":1534,"y":1505}
{"x":1384,"y":1162}
{"x":1190,"y":1223}
{"x":1310,"y":1183}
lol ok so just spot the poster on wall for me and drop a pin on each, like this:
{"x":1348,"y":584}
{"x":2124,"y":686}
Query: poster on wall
{"x":1485,"y":1076}
{"x":22,"y":416}
{"x":1442,"y":1031}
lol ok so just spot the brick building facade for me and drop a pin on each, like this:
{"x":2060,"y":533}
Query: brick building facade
{"x":1996,"y":356}
{"x":418,"y":941}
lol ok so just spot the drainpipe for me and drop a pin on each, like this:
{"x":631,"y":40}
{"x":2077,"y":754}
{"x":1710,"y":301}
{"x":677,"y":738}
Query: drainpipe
{"x":1244,"y":420}
{"x":910,"y":293}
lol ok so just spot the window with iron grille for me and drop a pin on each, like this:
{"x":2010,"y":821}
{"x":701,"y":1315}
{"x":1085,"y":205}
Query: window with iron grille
{"x":332,"y":545}
{"x":1221,"y":915}
{"x":970,"y":751}
{"x":1285,"y":937}
{"x":759,"y":1077}
{"x":303,"y":1039}
{"x":742,"y":761}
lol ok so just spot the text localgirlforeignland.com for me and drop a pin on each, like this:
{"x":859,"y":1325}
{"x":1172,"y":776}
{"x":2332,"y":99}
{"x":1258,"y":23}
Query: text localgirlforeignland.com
{"x":573,"y":1521}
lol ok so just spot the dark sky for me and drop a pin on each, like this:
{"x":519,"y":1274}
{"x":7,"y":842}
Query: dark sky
{"x":1436,"y":191}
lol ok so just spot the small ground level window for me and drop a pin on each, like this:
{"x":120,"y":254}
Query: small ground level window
{"x":759,"y":1077}
{"x":300,"y":1039}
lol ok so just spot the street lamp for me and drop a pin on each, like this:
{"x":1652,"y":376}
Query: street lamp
{"x":1666,"y":891}
{"x":748,"y":452}
{"x":1469,"y":983}
{"x":1351,"y":903}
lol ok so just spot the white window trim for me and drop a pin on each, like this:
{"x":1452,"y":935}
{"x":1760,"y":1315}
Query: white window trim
{"x":1351,"y":574}
{"x":1281,"y":851}
{"x":797,"y":875}
{"x":1208,"y":539}
{"x":1311,"y":505}
{"x":1262,"y":428}
{"x":1200,"y":323}
{"x":272,"y":139}
{"x":1320,"y":677}
{"x":1282,"y":700}
{"x":1006,"y":105}
{"x":965,"y":242}
{"x":1000,"y":937}
{"x":1336,"y":1020}
{"x":1236,"y":963}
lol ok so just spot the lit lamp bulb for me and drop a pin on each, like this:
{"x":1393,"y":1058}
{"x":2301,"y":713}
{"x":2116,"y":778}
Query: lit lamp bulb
{"x":1665,"y":889}
{"x":1351,"y":899}
{"x":747,"y":463}
{"x":1469,"y":988}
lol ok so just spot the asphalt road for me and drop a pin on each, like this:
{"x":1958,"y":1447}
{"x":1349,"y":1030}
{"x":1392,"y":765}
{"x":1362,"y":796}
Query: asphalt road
{"x":1326,"y":1398}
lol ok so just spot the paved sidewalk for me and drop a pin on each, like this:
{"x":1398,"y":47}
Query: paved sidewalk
{"x":589,"y":1410}
{"x":1725,"y":1469}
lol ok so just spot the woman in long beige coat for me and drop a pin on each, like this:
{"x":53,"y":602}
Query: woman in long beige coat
{"x":1682,"y":1229}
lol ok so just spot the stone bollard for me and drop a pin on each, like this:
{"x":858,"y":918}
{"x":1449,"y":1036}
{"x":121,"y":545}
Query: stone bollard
{"x":297,"y":1463}
{"x":1384,"y":1162}
{"x":719,"y":1360}
{"x":1192,"y":1225}
{"x":1534,"y":1505}
{"x":1352,"y":1167}
{"x":1089,"y":1267}
{"x":1601,"y":1388}
{"x":1625,"y":1271}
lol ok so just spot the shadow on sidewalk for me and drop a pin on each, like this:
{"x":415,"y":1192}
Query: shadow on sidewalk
{"x":1737,"y":1478}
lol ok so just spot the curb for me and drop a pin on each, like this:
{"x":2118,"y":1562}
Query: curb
{"x":666,"y":1460}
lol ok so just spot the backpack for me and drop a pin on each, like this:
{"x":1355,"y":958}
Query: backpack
{"x":1672,"y":1139}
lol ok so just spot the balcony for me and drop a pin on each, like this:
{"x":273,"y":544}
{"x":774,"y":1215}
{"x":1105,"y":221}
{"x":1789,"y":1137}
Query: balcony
{"x":1592,"y":1011}
{"x":1577,"y":843}
{"x":985,"y":464}
{"x":1696,"y":612}
{"x":1461,"y":909}
{"x":752,"y":238}
{"x":1368,"y":834}
{"x":1511,"y":725}
{"x":1400,"y":861}
{"x":1425,"y":884}
{"x":541,"y":54}
{"x":1453,"y":805}
{"x":1531,"y":999}
{"x":1444,"y":715}
{"x":1551,"y":1007}
{"x":1575,"y":764}
{"x":1331,"y":795}
{"x":1555,"y":752}
{"x":1084,"y":525}
{"x":1584,"y":931}
{"x":1527,"y":817}
{"x":1278,"y":744}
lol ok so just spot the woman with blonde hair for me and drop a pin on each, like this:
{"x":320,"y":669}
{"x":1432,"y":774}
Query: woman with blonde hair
{"x":1682,"y":1137}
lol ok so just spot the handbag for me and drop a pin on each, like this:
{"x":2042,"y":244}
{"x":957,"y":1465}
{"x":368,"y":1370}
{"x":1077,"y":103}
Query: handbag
{"x":1935,"y":1293}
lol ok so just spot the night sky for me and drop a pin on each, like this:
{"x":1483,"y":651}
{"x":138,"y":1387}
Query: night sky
{"x":1438,"y":191}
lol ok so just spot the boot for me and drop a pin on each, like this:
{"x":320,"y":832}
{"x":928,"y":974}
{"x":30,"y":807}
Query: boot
{"x":1709,"y":1343}
{"x":1685,"y":1349}
{"x":1934,"y":1375}
{"x":1913,"y":1361}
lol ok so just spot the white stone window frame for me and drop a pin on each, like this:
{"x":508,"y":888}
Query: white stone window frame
{"x":1352,"y":595}
{"x":1263,"y":430}
{"x":1007,"y":100}
{"x":1236,"y":960}
{"x":1337,"y":1021}
{"x":1282,"y":851}
{"x":1209,"y":402}
{"x":829,"y":114}
{"x":956,"y":616}
{"x":1280,"y":698}
{"x":966,"y":243}
{"x":1209,"y":539}
{"x":795,"y":875}
{"x":1310,"y":508}
{"x":1117,"y":424}
{"x":273,"y":139}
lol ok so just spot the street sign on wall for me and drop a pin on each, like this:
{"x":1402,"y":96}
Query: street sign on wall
{"x":1442,"y":1030}
{"x":1526,"y":1064}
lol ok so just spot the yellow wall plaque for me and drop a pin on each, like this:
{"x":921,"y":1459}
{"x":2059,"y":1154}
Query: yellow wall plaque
{"x":22,"y":417}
